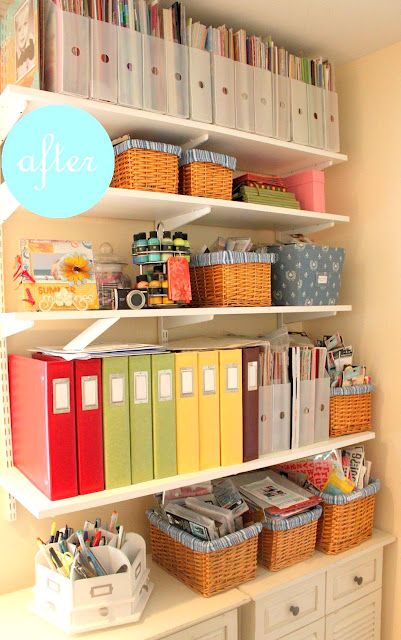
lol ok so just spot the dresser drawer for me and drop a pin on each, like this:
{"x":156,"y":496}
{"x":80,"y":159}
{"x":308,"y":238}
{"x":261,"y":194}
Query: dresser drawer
{"x":314,"y":631}
{"x":284,"y":611}
{"x":354,"y":579}
{"x":223,"y":627}
{"x":359,"y":621}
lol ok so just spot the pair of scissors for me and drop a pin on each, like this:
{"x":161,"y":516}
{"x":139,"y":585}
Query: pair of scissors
{"x":66,"y":560}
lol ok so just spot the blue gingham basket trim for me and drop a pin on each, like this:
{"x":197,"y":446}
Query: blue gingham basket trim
{"x":345,"y":498}
{"x":147,"y":145}
{"x":293,"y":522}
{"x":230,"y":257}
{"x":356,"y":390}
{"x":201,"y":155}
{"x":203,"y":546}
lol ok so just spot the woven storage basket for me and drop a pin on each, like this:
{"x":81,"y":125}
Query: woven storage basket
{"x":351,"y":413}
{"x":289,"y":540}
{"x":347,"y":519}
{"x":238,"y":284}
{"x":206,"y":567}
{"x":206,"y":174}
{"x":146,"y":169}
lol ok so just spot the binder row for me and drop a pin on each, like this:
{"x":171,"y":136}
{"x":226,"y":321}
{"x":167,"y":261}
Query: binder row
{"x":100,"y":60}
{"x":86,"y":425}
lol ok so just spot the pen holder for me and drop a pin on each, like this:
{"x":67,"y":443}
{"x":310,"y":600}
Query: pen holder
{"x":79,"y":605}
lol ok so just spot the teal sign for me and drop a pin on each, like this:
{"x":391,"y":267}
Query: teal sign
{"x":58,"y":161}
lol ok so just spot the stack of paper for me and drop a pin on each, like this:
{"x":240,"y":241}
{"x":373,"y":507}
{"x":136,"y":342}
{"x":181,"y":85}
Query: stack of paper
{"x":100,"y":351}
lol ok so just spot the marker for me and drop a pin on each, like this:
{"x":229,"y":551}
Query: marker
{"x":97,"y":538}
{"x":113,"y":521}
{"x":120,"y":536}
{"x":53,"y":530}
{"x":98,"y":523}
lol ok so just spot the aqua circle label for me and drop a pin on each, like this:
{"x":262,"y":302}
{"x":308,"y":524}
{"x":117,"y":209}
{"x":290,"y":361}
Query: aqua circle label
{"x":58,"y":161}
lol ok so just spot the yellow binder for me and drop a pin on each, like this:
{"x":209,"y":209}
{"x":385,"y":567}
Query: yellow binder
{"x":186,"y":385}
{"x":209,"y":409}
{"x":231,"y":406}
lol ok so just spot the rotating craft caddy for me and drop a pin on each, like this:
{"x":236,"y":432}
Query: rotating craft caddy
{"x":79,"y":605}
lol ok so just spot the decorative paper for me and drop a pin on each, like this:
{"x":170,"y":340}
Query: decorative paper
{"x":58,"y":275}
{"x":179,"y":282}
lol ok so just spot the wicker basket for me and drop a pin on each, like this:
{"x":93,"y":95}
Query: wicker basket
{"x":289,"y":540}
{"x":350,"y":413}
{"x":207,"y":180}
{"x":153,"y":169}
{"x":231,"y":285}
{"x":206,"y":567}
{"x":347,"y":519}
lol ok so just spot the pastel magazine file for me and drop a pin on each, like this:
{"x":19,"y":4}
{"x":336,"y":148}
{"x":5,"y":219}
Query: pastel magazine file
{"x":164,"y":415}
{"x":141,"y":421}
{"x":88,"y":394}
{"x":250,"y":402}
{"x":42,"y":404}
{"x":187,"y":411}
{"x":77,"y":605}
{"x":209,"y":409}
{"x":274,"y":418}
{"x":116,"y":422}
{"x":230,"y":361}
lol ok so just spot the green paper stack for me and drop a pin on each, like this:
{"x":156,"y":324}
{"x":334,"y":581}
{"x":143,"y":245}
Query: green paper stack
{"x":266,"y":196}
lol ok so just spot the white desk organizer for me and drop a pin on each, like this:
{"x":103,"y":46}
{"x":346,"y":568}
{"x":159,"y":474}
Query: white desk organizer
{"x":79,"y":605}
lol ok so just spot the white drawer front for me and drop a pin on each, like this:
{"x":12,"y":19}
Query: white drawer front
{"x":314,"y":631}
{"x":290,"y":609}
{"x":359,"y":621}
{"x":223,"y":627}
{"x":352,"y":580}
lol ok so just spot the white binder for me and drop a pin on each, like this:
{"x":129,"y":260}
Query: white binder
{"x":331,"y":122}
{"x":306,"y":412}
{"x":274,"y":418}
{"x":263,"y":98}
{"x":322,"y":408}
{"x":200,"y":85}
{"x":281,"y":93}
{"x":244,"y":97}
{"x":129,"y":74}
{"x":299,"y":112}
{"x":154,"y":74}
{"x":103,"y":85}
{"x":223,"y":90}
{"x":66,"y":51}
{"x":315,"y":116}
{"x":177,"y":79}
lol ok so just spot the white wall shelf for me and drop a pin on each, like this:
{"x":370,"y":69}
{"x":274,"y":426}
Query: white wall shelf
{"x":18,"y":486}
{"x":253,"y":152}
{"x":148,"y":206}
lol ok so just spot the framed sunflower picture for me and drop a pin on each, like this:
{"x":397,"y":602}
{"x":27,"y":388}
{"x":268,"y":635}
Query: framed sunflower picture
{"x":58,"y":275}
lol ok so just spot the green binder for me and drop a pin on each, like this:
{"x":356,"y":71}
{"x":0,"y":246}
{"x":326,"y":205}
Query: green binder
{"x":116,"y":427}
{"x":140,"y":379}
{"x":164,"y":425}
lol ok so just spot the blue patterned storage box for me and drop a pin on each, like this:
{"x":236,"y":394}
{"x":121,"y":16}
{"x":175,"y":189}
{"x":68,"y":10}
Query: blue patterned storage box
{"x":306,"y":274}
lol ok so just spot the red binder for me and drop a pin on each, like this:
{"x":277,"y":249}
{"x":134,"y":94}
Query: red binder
{"x":250,"y":402}
{"x":42,"y":402}
{"x":88,"y":394}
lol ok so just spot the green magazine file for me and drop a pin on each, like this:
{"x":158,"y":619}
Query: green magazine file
{"x":116,"y":426}
{"x":140,"y":397}
{"x":164,"y":422}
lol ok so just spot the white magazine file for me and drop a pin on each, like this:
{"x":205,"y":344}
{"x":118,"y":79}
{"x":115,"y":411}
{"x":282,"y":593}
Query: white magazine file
{"x":274,"y":418}
{"x":244,"y":97}
{"x":282,"y":112}
{"x":177,"y":79}
{"x":331,"y":122}
{"x":322,"y":408}
{"x":129,"y":74}
{"x":200,"y":85}
{"x":103,"y":47}
{"x":299,"y":112}
{"x":315,"y":116}
{"x":263,"y":99}
{"x":223,"y":91}
{"x":154,"y":74}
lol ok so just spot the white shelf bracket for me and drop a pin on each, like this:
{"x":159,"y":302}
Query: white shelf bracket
{"x":11,"y":109}
{"x":165,"y":324}
{"x":320,"y":166}
{"x":303,"y":317}
{"x":285,"y":236}
{"x":10,"y":326}
{"x":90,"y":334}
{"x":186,"y":218}
{"x":195,"y":142}
{"x":8,"y":204}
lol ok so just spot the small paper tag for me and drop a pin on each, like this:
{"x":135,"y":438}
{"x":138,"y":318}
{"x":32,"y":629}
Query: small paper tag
{"x":322,"y":278}
{"x":253,"y":376}
{"x":209,"y":380}
{"x":141,"y":387}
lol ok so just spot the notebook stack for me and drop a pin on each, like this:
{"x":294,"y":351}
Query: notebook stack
{"x":260,"y":189}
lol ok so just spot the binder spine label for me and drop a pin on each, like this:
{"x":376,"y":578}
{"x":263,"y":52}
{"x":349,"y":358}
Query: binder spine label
{"x":117,"y":389}
{"x":141,"y":387}
{"x":61,"y":395}
{"x":89,"y":388}
{"x":232,"y":378}
{"x":209,"y":380}
{"x":187,"y":382}
{"x":165,"y":385}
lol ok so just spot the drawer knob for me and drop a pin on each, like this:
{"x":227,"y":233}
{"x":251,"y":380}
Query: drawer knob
{"x":294,"y":610}
{"x":358,"y":580}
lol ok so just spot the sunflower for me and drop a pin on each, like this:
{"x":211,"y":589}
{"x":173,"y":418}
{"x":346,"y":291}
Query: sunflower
{"x":76,"y":269}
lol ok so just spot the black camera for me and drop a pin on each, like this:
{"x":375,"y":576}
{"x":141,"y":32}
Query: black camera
{"x":129,"y":299}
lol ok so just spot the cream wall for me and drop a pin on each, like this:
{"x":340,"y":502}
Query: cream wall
{"x":368,"y":188}
{"x":17,"y":568}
